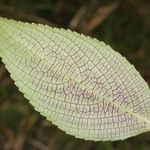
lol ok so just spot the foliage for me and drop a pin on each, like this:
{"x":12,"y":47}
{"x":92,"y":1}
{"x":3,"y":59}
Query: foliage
{"x":126,"y":29}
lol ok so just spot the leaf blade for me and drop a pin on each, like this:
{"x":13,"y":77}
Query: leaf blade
{"x":89,"y":116}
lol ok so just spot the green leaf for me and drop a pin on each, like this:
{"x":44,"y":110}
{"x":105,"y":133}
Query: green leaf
{"x":80,"y":84}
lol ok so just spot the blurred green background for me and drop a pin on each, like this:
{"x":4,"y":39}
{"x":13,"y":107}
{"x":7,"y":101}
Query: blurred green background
{"x":123,"y":24}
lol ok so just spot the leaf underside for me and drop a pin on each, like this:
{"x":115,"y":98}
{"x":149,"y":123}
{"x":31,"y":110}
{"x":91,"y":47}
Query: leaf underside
{"x":80,"y":84}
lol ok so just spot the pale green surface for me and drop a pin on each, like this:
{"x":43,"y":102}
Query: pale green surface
{"x":80,"y":84}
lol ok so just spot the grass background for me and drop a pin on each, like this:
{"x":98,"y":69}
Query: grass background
{"x":123,"y":24}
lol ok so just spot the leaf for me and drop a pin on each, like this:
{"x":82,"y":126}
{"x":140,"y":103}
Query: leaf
{"x":80,"y":84}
